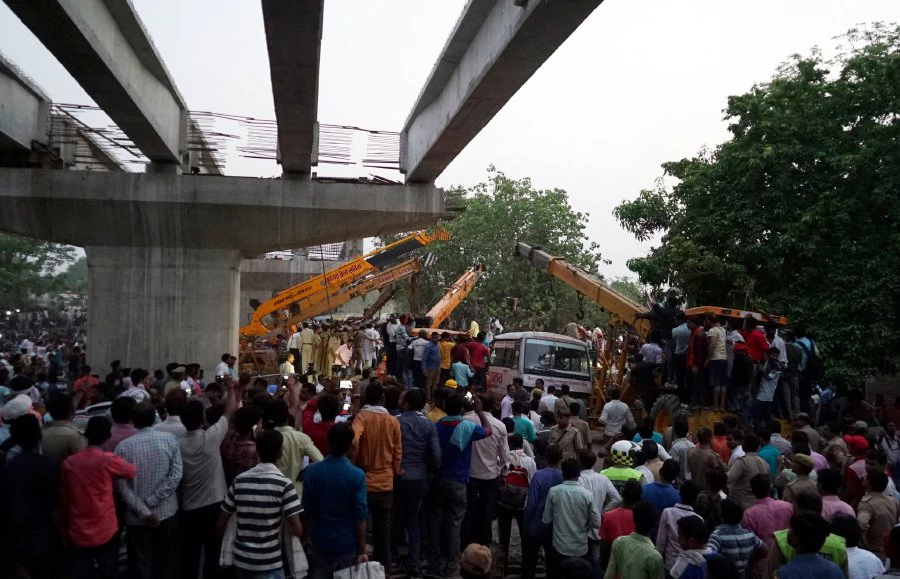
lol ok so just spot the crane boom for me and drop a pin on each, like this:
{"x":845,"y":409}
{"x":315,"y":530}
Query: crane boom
{"x":315,"y":290}
{"x":621,"y":308}
{"x":338,"y":298}
{"x":454,"y":296}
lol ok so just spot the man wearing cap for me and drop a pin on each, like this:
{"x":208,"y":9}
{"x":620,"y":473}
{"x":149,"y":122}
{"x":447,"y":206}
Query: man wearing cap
{"x":15,"y":408}
{"x":856,"y":470}
{"x":622,"y":458}
{"x":802,"y":466}
{"x":175,"y":383}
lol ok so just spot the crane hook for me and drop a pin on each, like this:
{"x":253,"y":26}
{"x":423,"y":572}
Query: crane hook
{"x":580,"y":312}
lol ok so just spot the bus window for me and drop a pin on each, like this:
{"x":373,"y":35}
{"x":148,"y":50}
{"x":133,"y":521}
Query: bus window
{"x":551,"y":358}
{"x":504,"y":354}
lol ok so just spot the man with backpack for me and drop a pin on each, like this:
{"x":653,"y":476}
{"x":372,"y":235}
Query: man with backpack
{"x":514,"y":492}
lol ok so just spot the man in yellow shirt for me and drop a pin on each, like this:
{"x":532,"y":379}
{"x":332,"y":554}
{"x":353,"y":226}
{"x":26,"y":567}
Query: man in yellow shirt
{"x":446,"y":345}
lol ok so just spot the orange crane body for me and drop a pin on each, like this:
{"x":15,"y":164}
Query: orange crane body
{"x":316,"y":290}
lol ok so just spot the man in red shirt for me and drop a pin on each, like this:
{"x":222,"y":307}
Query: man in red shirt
{"x":328,"y":406}
{"x":460,"y":353}
{"x":84,"y":390}
{"x":619,"y":521}
{"x":479,"y":354}
{"x":755,"y":340}
{"x":696,"y":363}
{"x":87,"y":479}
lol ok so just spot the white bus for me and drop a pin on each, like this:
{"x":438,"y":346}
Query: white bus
{"x":554,"y":358}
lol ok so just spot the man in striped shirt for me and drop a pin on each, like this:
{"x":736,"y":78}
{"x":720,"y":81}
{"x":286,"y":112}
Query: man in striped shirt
{"x":260,"y":498}
{"x":735,"y":542}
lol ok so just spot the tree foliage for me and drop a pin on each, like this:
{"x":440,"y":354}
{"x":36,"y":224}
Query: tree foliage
{"x":799,"y":212}
{"x":494,"y":215}
{"x":75,"y":278}
{"x":29,"y":268}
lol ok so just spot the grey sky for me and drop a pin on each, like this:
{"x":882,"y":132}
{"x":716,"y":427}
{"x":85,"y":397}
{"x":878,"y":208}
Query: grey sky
{"x":640,"y":83}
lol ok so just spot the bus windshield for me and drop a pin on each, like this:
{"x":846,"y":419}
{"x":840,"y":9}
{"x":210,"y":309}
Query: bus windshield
{"x":549,"y":358}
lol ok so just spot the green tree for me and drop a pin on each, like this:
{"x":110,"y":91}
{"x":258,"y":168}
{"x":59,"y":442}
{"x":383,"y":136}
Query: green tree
{"x":29,"y":268}
{"x":75,"y":277}
{"x":798,"y":212}
{"x":629,"y":288}
{"x":492,"y":216}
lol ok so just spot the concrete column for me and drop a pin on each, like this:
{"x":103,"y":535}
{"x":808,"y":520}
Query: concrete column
{"x":149,"y":306}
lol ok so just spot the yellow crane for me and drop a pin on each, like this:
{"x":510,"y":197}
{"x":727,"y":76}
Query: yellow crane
{"x":456,"y":293}
{"x":362,"y":287}
{"x":316,"y":290}
{"x":621,"y":308}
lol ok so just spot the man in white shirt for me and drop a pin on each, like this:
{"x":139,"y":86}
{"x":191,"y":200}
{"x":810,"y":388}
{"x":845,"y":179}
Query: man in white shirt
{"x":287,"y":367}
{"x":601,"y":488}
{"x":652,"y":351}
{"x":861,"y":564}
{"x":202,"y":484}
{"x":718,"y":360}
{"x":222,"y":367}
{"x":490,"y":457}
{"x":507,"y":402}
{"x":293,"y":344}
{"x":175,"y":403}
{"x":418,"y":348}
{"x":775,"y":341}
{"x":734,"y":441}
{"x":615,"y":414}
{"x":548,"y":400}
{"x":370,"y":346}
{"x":28,"y":346}
{"x":342,"y":358}
{"x":391,"y":347}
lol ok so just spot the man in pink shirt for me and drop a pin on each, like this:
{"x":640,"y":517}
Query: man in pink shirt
{"x":766,"y":516}
{"x":122,"y":427}
{"x":829,"y":484}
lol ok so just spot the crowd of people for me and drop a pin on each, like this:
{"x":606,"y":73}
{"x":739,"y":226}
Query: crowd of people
{"x":750,"y":503}
{"x":754,"y":369}
{"x":312,"y":476}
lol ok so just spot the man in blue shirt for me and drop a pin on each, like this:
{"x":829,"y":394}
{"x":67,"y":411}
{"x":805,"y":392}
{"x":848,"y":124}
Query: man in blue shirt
{"x":431,"y":364}
{"x":421,"y":458}
{"x":768,"y":452}
{"x":661,"y":493}
{"x":448,"y":498}
{"x":334,"y":500}
{"x":538,"y":534}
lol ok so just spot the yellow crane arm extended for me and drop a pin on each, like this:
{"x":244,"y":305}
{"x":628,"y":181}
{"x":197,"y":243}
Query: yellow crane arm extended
{"x":454,"y":296}
{"x":621,"y":308}
{"x":359,"y":289}
{"x":315,"y":290}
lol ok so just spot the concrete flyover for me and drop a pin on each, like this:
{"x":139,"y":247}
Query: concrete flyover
{"x":164,"y":250}
{"x":493,"y":50}
{"x":294,"y":40}
{"x":24,"y":111}
{"x":104,"y":46}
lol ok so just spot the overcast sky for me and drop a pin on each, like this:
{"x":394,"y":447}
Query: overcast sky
{"x":641,"y":82}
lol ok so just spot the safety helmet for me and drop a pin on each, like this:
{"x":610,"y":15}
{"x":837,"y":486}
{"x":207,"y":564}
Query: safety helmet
{"x":620,"y":453}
